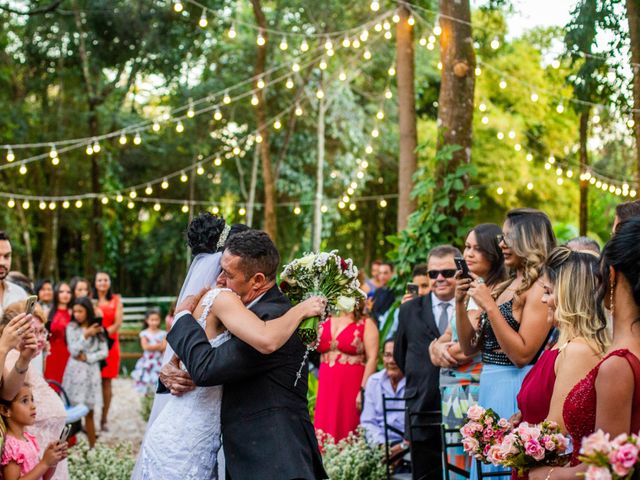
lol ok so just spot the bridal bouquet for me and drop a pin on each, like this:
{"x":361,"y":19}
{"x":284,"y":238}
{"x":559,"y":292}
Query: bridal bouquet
{"x":610,"y":459}
{"x":325,"y":274}
{"x":482,"y":431}
{"x":528,"y":446}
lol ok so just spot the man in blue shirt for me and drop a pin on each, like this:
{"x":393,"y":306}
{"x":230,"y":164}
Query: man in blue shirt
{"x":390,"y":383}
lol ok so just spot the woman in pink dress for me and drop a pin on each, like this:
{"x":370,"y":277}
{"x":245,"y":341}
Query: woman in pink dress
{"x":59,"y":318}
{"x":349,"y":348}
{"x":608,"y":398}
{"x":111,"y":307}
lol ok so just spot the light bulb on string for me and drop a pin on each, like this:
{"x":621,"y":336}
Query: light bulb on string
{"x":618,"y":191}
{"x":53,"y":153}
{"x":42,"y":205}
{"x":560,"y":108}
{"x":184,"y":177}
{"x":350,"y":191}
{"x":295,"y":67}
{"x":343,"y":76}
{"x":330,"y":52}
{"x":89,"y":150}
{"x":366,"y":55}
{"x":178,"y":7}
{"x":157,"y":207}
{"x":289,"y":84}
{"x":104,"y":200}
{"x":551,"y":159}
{"x":254,"y":100}
{"x":66,"y":204}
{"x":495,"y":44}
{"x":388,"y":35}
{"x":529,"y":186}
{"x":179,"y":127}
{"x":190,"y":112}
{"x":328,"y":44}
{"x":558,"y":171}
{"x":25,"y":205}
{"x":119,"y":198}
{"x":217,"y":162}
{"x":203,"y":20}
{"x":395,"y":18}
{"x":10,"y":155}
{"x":388,"y":94}
{"x":517,"y":147}
{"x":378,"y":27}
{"x":374,"y":5}
{"x":375,"y":133}
{"x":555,"y":63}
{"x":298,"y":110}
{"x":11,"y":203}
{"x":133,"y":194}
{"x":485,"y":120}
{"x":226,"y":99}
{"x":323,"y":64}
{"x":137,"y":139}
{"x":304,"y":46}
{"x":534,"y":97}
{"x":391,"y":71}
{"x":242,"y":211}
{"x":386,"y":25}
{"x":324,"y":209}
{"x":360,"y":175}
{"x":502,"y":84}
{"x":380,"y":115}
{"x":148,"y":190}
{"x":437,"y":30}
{"x":123,"y":139}
{"x":283,"y":44}
{"x":529,"y":157}
{"x":411,"y":21}
{"x":200,"y":170}
{"x":164,"y":184}
{"x":260,"y":84}
{"x":430,"y":46}
{"x":260,"y":40}
{"x":232,"y":32}
{"x":632,"y":193}
{"x":352,"y":207}
{"x":500,"y":135}
{"x":355,"y":43}
{"x":512,"y":134}
{"x":156,"y":127}
{"x":560,"y":181}
{"x":345,"y":198}
{"x":297,"y":210}
{"x":55,"y":161}
{"x":422,"y":41}
{"x":500,"y":190}
{"x":130,"y":205}
{"x":364,"y":35}
{"x":320,"y":93}
{"x":432,"y":39}
{"x":346,"y":43}
{"x":185,"y":208}
{"x":23,"y":170}
{"x":237,"y":150}
{"x":482,"y":107}
{"x":569,"y":173}
{"x":382,"y":203}
{"x":217,"y":115}
{"x":478,"y":71}
{"x":439,"y":65}
{"x":368,"y":149}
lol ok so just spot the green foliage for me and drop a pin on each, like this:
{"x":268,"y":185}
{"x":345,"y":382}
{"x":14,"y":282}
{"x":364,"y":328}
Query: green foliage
{"x":101,"y":463}
{"x":312,"y":394}
{"x":146,"y":404}
{"x":433,"y":222}
{"x":353,"y":458}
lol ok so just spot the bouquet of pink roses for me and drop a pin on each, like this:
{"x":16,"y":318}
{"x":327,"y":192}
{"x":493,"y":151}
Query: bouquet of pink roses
{"x":610,"y":459}
{"x":528,"y":446}
{"x":482,"y":431}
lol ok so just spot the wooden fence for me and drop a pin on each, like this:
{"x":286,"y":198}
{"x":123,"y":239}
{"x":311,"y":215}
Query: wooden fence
{"x":134,"y":309}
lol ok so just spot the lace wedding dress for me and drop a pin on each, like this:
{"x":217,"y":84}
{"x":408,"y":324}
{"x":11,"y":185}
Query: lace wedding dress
{"x":183,"y":442}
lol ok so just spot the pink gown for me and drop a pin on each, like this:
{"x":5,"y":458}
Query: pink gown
{"x":341,"y":370}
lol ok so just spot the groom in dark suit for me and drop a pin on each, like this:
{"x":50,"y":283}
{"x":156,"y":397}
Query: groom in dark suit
{"x":266,"y":428}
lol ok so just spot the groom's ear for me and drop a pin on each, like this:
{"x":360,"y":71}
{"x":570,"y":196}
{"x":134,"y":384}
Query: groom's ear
{"x":259,"y":279}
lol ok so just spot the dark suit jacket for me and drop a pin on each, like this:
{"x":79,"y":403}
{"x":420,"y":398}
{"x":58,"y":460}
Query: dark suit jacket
{"x":266,"y":428}
{"x":416,"y":330}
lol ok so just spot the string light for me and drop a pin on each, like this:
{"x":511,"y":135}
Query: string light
{"x":534,"y":97}
{"x":156,"y":127}
{"x":277,"y":125}
{"x":295,"y":67}
{"x":242,"y":212}
{"x":304,"y":46}
{"x":130,"y":204}
{"x":328,"y":44}
{"x":185,"y":208}
{"x":395,"y":18}
{"x":422,"y":41}
{"x":560,"y":108}
{"x":260,"y":40}
{"x":137,"y":140}
{"x":320,"y":93}
{"x":502,"y":84}
{"x":283,"y":44}
{"x":391,"y":71}
{"x":289,"y":84}
{"x":388,"y":94}
{"x":119,"y":198}
{"x":10,"y":155}
{"x":184,"y":177}
{"x":342,"y":76}
{"x":217,"y":115}
{"x":386,"y":25}
{"x":11,"y":203}
{"x":177,"y":6}
{"x":123,"y":139}
{"x":53,"y":153}
{"x":226,"y":99}
{"x":298,"y":110}
{"x":42,"y":205}
{"x":478,"y":71}
{"x":203,"y":20}
{"x":218,"y":161}
{"x":364,"y":36}
{"x":380,"y":115}
{"x":323,"y":64}
{"x":375,"y":6}
{"x":346,"y":43}
{"x":164,"y":184}
{"x":254,"y":100}
{"x":232,"y":32}
{"x":78,"y":204}
{"x":104,"y":200}
{"x":388,"y":35}
{"x":190,"y":112}
{"x":200,"y":170}
{"x":411,"y":21}
{"x":324,"y":209}
{"x":495,"y":44}
{"x":355,"y":43}
{"x":260,"y":84}
{"x":179,"y":127}
{"x":25,"y":205}
{"x":383,"y":203}
{"x":133,"y":194}
{"x":529,"y":186}
{"x":148,"y":190}
{"x":23,"y":170}
{"x":66,"y":204}
{"x":157,"y":207}
{"x":500,"y":190}
{"x":437,"y":30}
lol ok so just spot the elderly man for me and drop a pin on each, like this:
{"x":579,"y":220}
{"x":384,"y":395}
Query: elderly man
{"x":390,"y":383}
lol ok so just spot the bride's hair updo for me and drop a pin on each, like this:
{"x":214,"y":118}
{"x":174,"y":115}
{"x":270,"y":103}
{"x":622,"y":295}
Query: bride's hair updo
{"x":204,"y":232}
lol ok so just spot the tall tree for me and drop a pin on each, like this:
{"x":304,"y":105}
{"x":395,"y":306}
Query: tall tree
{"x":456,"y":99}
{"x":633,"y":15}
{"x":406,"y":115}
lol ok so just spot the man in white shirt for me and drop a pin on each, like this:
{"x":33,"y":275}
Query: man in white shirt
{"x":9,"y":292}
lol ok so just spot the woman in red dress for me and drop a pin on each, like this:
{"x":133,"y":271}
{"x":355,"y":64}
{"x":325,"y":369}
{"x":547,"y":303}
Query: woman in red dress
{"x":349,"y":350}
{"x":608,"y":398}
{"x":111,"y":307}
{"x":59,"y":317}
{"x":570,"y":290}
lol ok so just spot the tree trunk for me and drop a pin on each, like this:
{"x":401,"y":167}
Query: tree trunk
{"x":270,"y":215}
{"x":317,"y":207}
{"x":633,"y":15}
{"x":252,"y":185}
{"x":406,"y":115}
{"x":93,"y":258}
{"x":26,"y":238}
{"x":584,"y":163}
{"x":455,"y":103}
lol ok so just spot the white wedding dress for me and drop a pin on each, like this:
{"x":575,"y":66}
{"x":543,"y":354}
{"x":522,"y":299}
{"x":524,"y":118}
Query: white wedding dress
{"x":183,"y":441}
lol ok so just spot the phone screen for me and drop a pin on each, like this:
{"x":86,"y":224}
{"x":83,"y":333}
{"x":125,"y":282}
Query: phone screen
{"x":31,"y":301}
{"x":461,"y":265}
{"x":412,"y":289}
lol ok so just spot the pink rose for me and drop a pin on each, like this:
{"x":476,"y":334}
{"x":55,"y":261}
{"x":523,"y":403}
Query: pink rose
{"x":475,"y":412}
{"x":561,"y":441}
{"x":495,"y":455}
{"x":508,"y":445}
{"x":488,"y":434}
{"x":624,"y":458}
{"x":527,"y":432}
{"x":596,"y":442}
{"x":504,"y":423}
{"x":488,"y":420}
{"x":470,"y":445}
{"x":619,"y":440}
{"x":534,"y":449}
{"x":549,"y":444}
{"x":597,"y":473}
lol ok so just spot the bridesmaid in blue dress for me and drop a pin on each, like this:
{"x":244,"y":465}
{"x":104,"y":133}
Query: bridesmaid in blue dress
{"x":513,"y":326}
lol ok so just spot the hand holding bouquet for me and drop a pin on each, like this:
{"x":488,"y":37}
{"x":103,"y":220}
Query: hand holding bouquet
{"x":324,"y":274}
{"x":610,"y":459}
{"x":529,"y":446}
{"x":483,"y":430}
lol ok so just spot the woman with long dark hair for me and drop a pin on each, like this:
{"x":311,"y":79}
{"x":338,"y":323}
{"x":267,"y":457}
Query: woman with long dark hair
{"x":59,"y":318}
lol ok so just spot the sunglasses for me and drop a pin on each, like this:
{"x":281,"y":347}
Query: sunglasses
{"x":502,"y":238}
{"x":448,"y":273}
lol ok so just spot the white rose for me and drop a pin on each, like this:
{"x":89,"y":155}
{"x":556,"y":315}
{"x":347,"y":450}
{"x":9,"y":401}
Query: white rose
{"x":307,"y":260}
{"x":345,"y":304}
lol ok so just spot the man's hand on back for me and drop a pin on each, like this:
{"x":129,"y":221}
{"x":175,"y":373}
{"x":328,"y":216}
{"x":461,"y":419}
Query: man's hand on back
{"x":175,"y":379}
{"x":190,"y":303}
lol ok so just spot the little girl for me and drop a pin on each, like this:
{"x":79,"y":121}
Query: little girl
{"x":153,"y":344}
{"x":21,"y":453}
{"x":87,"y":346}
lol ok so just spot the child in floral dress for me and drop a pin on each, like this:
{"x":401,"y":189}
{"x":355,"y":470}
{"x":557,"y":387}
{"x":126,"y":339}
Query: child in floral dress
{"x":21,"y":452}
{"x":153,"y":342}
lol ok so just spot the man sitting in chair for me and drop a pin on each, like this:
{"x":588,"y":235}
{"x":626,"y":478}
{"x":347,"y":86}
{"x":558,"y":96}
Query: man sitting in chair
{"x":390,"y":383}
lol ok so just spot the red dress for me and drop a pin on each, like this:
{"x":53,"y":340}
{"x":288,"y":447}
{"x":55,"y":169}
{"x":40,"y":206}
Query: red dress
{"x":109,"y":310}
{"x":341,"y":371}
{"x":534,"y":399}
{"x":58,"y":353}
{"x":579,"y":409}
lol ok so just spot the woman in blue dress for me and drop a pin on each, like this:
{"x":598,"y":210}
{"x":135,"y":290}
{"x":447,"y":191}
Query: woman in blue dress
{"x":513,"y":326}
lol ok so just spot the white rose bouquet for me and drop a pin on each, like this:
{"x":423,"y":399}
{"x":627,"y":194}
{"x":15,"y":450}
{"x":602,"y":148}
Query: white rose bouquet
{"x":324,"y":274}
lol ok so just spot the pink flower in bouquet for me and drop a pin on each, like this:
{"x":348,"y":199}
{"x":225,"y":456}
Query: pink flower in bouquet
{"x":495,"y":454}
{"x":533,"y":448}
{"x":561,"y":441}
{"x":548,"y":443}
{"x":596,"y":442}
{"x":503,"y":423}
{"x":624,"y":458}
{"x":528,"y":432}
{"x":470,"y":428}
{"x":508,"y":445}
{"x":470,"y":445}
{"x":475,"y":412}
{"x":488,"y":420}
{"x":488,"y":434}
{"x":620,"y":440}
{"x":597,"y":473}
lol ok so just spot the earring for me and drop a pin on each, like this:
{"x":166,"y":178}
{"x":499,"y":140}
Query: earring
{"x":611,"y":306}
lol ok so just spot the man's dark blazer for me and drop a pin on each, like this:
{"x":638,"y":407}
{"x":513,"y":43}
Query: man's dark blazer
{"x":266,"y":428}
{"x":416,"y":330}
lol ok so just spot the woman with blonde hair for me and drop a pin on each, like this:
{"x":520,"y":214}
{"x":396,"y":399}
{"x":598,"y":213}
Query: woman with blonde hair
{"x":513,"y":325}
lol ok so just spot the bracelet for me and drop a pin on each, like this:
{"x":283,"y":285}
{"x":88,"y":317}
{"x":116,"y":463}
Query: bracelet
{"x":21,"y":371}
{"x":548,"y":477}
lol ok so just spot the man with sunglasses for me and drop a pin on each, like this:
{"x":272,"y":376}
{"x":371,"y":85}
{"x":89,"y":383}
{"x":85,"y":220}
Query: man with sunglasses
{"x":421,"y":321}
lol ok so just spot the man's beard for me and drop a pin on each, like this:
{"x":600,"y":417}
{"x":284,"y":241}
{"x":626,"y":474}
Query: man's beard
{"x":3,"y":273}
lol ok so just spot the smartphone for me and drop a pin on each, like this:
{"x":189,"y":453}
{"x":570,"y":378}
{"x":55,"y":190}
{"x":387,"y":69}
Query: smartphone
{"x":65,"y":433}
{"x":31,"y":301}
{"x":461,"y":265}
{"x":412,"y":288}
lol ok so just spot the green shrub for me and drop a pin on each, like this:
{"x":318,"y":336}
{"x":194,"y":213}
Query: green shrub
{"x":146,"y":403}
{"x":352,"y":458}
{"x":101,"y":463}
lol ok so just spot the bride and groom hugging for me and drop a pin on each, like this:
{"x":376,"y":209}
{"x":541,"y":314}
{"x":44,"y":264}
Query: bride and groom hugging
{"x":238,"y":344}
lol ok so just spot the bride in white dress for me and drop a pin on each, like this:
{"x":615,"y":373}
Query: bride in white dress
{"x":183,"y":441}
